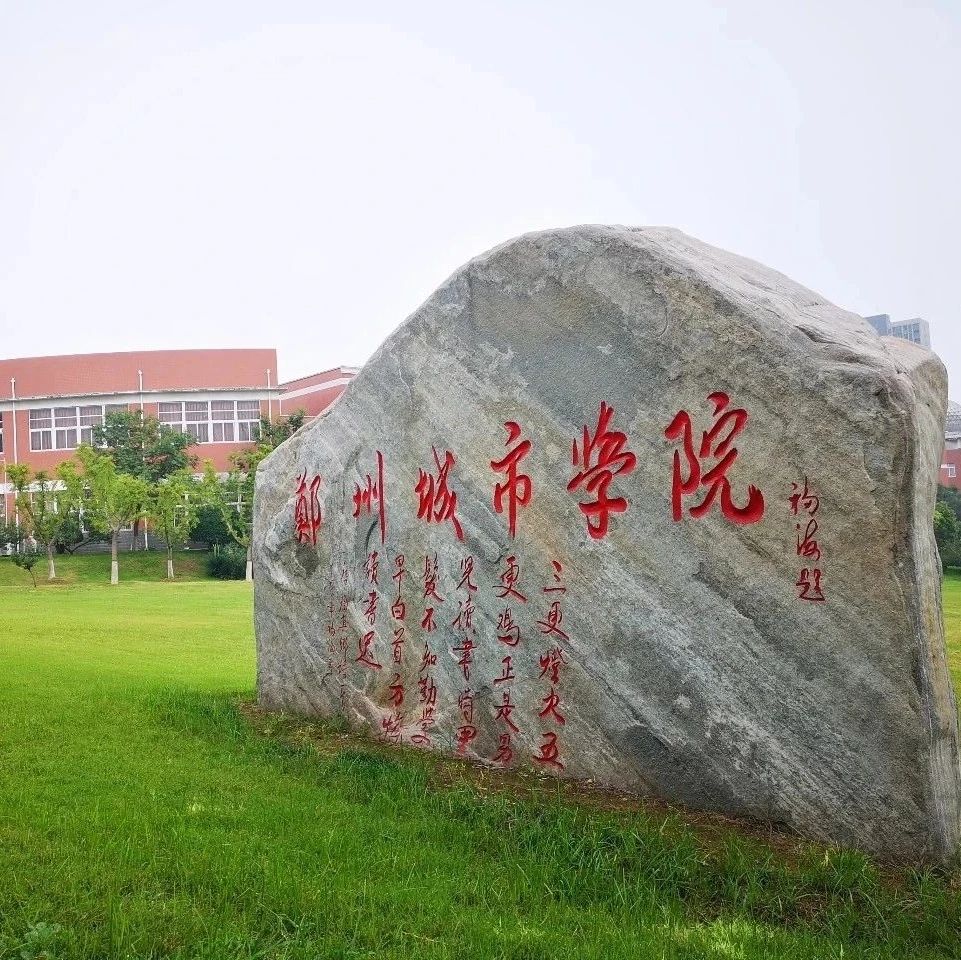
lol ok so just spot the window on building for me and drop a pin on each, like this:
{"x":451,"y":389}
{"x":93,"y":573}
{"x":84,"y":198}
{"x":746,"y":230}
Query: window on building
{"x":65,"y":428}
{"x":248,"y":419}
{"x":222,"y":415}
{"x":41,"y":429}
{"x":197,"y":417}
{"x":216,"y":421}
{"x":90,"y":417}
{"x":950,"y":469}
{"x":171,"y":414}
{"x":65,"y":421}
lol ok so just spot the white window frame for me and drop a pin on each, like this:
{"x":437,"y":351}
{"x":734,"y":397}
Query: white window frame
{"x":206,"y":425}
{"x":64,"y":423}
{"x":38,"y":433}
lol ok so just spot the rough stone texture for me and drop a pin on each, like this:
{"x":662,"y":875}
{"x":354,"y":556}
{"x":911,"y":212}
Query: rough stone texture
{"x":694,"y":672}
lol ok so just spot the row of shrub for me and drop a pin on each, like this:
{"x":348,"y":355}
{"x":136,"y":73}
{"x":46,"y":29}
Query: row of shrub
{"x":227,"y":562}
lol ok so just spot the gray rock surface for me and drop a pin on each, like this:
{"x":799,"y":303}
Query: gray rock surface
{"x":671,"y":614}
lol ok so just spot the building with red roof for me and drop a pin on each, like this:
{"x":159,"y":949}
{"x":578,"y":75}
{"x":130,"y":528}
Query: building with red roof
{"x":50,"y":405}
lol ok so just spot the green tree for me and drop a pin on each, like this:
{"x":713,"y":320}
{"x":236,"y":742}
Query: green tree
{"x":233,"y":497}
{"x":27,"y":560}
{"x":76,"y":531}
{"x":110,"y":498}
{"x":171,"y":507}
{"x":210,"y":527}
{"x":947,"y":526}
{"x":9,"y":534}
{"x":41,"y":508}
{"x":143,"y":447}
{"x":274,"y":433}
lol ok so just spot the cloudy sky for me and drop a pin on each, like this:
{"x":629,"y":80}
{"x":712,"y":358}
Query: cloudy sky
{"x":302,"y":175}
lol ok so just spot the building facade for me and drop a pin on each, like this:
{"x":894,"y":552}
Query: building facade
{"x":950,"y":475}
{"x":916,"y":329}
{"x":50,"y":405}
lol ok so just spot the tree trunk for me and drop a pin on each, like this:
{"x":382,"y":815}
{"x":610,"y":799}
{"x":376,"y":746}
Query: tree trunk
{"x":250,"y":562}
{"x":114,"y":566}
{"x":170,"y":562}
{"x":51,"y":569}
{"x":133,"y":535}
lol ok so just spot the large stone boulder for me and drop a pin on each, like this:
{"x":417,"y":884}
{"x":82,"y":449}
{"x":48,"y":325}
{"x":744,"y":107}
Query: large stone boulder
{"x":619,"y":506}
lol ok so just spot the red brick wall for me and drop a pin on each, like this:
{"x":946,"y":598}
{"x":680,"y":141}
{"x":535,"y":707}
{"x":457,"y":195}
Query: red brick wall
{"x":950,"y":458}
{"x":316,"y":392}
{"x":68,"y":380}
{"x":90,"y":375}
{"x":218,"y":453}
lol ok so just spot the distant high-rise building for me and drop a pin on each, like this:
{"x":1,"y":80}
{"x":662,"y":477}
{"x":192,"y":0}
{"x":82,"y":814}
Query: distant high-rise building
{"x":916,"y":330}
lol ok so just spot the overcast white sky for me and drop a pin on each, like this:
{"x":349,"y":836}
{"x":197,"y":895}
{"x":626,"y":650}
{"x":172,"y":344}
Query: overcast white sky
{"x":303,"y":175}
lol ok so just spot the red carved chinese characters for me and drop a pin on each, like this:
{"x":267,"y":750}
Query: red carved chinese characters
{"x":394,"y":723}
{"x":337,"y":642}
{"x":463,"y":651}
{"x":307,"y":516}
{"x":805,"y":505}
{"x":373,"y":492}
{"x":343,"y":636}
{"x":430,"y":593}
{"x":466,"y":732}
{"x":426,"y":687}
{"x":437,"y":502}
{"x":517,"y":488}
{"x":601,"y":457}
{"x":708,"y":466}
{"x":365,"y":654}
{"x":508,"y":633}
{"x":549,"y":753}
{"x":510,"y":576}
{"x":552,"y":661}
{"x":398,"y":609}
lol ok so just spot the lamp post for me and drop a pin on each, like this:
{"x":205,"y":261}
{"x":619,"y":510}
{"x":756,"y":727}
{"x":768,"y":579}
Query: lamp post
{"x":6,"y":511}
{"x":13,"y":408}
{"x":146,"y":543}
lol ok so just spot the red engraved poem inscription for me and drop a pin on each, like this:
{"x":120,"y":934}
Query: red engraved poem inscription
{"x":438,"y":503}
{"x":601,"y":457}
{"x":708,"y":464}
{"x":307,"y":518}
{"x":517,"y":488}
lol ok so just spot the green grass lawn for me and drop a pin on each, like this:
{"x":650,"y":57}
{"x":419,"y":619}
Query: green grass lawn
{"x":95,"y":568}
{"x":143,"y":815}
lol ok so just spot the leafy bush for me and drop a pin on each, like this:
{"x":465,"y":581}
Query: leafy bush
{"x":9,"y":535}
{"x":27,"y":560}
{"x":227,"y":563}
{"x":947,"y":526}
{"x":210,"y":528}
{"x":74,"y":533}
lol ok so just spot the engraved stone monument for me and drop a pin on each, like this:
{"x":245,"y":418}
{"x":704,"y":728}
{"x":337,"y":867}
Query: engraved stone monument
{"x":617,"y":505}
